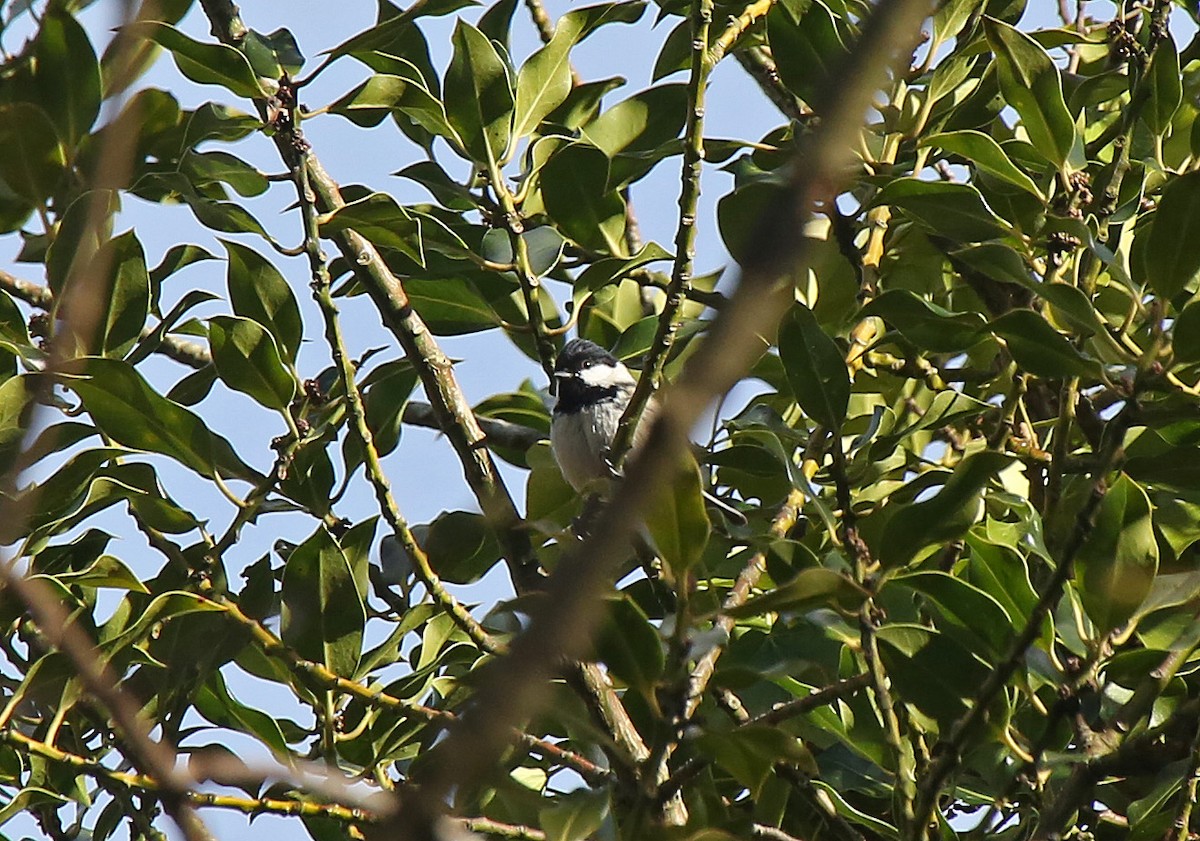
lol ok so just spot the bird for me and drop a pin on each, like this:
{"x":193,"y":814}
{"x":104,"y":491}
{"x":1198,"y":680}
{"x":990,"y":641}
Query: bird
{"x":593,"y":389}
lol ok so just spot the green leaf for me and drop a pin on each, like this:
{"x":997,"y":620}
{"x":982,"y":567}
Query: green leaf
{"x":1185,"y":334}
{"x":750,"y":753}
{"x":611,"y":270}
{"x":1031,"y":84}
{"x":931,"y":671}
{"x":956,"y":211}
{"x":366,"y":104}
{"x":815,"y":367}
{"x":1165,"y":87}
{"x":965,"y":606}
{"x":67,"y":75}
{"x":123,"y":291}
{"x":479,"y":95}
{"x":809,"y":52}
{"x":574,"y":185}
{"x":451,"y":306}
{"x":130,"y":412}
{"x":247,"y":360}
{"x":985,"y":153}
{"x":1118,"y":561}
{"x":214,"y":702}
{"x":925,"y":324}
{"x":629,"y":646}
{"x":810,"y":589}
{"x":678,"y":522}
{"x":203,"y":63}
{"x":543,"y":82}
{"x":461,"y":546}
{"x":105,"y":571}
{"x":385,"y":223}
{"x":323,"y":614}
{"x":574,"y":816}
{"x":1172,"y":255}
{"x":943,"y":518}
{"x":33,"y":158}
{"x":259,"y":292}
{"x":641,"y":123}
{"x":204,"y":168}
{"x":1039,"y":348}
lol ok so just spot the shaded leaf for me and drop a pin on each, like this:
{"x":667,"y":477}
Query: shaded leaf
{"x":1118,"y":561}
{"x":247,"y":360}
{"x":815,"y":368}
{"x":323,"y":614}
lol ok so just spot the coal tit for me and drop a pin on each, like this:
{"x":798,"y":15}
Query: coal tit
{"x":593,"y":389}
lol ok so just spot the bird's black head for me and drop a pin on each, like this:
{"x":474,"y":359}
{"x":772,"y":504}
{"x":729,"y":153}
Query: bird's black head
{"x":575,"y":373}
{"x":578,"y":354}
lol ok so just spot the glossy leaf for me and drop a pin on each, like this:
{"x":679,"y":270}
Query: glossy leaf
{"x":1031,"y":84}
{"x":956,"y":211}
{"x":1164,"y":85}
{"x":323,"y":615}
{"x":809,"y":51}
{"x":133,"y":414}
{"x":1039,"y":348}
{"x":479,"y":95}
{"x":385,"y":223}
{"x":259,"y":292}
{"x":575,"y":189}
{"x":629,"y":646}
{"x":1118,"y":561}
{"x":204,"y":63}
{"x":68,"y":75}
{"x":34,"y":157}
{"x":985,"y":153}
{"x":1172,"y":254}
{"x":816,"y":368}
{"x":678,"y":522}
{"x":247,"y":360}
{"x":943,"y":518}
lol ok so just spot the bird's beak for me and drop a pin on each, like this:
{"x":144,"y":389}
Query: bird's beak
{"x":563,"y":375}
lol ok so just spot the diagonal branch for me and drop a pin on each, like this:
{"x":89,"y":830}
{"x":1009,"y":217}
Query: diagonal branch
{"x":450,"y":405}
{"x":561,"y":623}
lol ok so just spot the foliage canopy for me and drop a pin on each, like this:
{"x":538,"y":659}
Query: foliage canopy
{"x":965,"y":603}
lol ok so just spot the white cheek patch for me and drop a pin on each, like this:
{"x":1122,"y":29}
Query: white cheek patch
{"x":601,"y":375}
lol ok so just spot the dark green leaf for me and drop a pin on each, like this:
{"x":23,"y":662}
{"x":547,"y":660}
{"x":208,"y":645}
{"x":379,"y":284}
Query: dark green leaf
{"x":67,"y":75}
{"x":809,"y":52}
{"x":259,"y":292}
{"x":931,"y":671}
{"x":461,"y":547}
{"x":985,"y":153}
{"x":1172,"y":255}
{"x":956,"y":211}
{"x":750,"y":753}
{"x":816,"y":368}
{"x":1031,"y":84}
{"x":123,"y":291}
{"x":678,"y":522}
{"x":925,"y":324}
{"x":130,"y":412}
{"x":943,"y":518}
{"x":629,"y":645}
{"x":965,"y":606}
{"x":641,"y":123}
{"x":1118,"y":561}
{"x":33,"y":158}
{"x":574,"y":816}
{"x":809,"y":590}
{"x":385,"y":223}
{"x":1164,"y":85}
{"x":204,"y":63}
{"x":479,"y":95}
{"x":247,"y":360}
{"x":323,"y":614}
{"x":575,"y":190}
{"x":1039,"y":348}
{"x":1186,"y":334}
